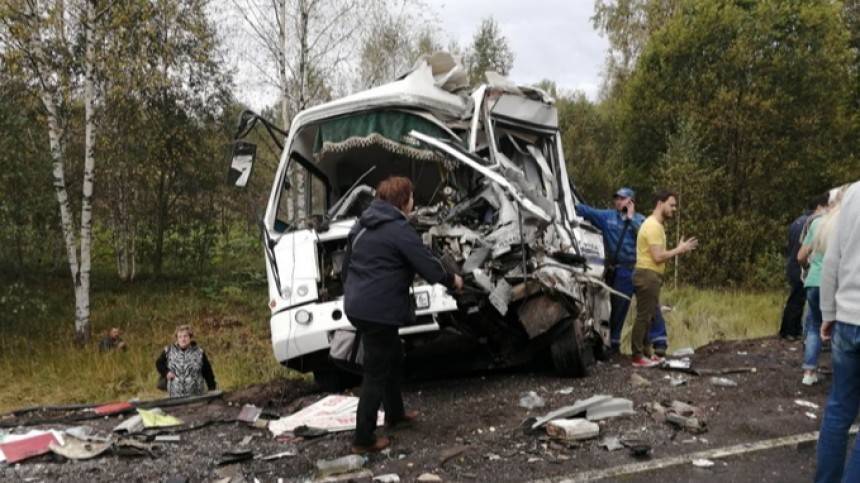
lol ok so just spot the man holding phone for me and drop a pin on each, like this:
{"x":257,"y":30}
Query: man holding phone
{"x":620,"y":227}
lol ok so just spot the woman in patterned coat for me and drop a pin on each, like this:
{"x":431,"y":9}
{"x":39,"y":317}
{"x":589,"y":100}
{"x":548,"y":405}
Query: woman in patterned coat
{"x":185,"y":366}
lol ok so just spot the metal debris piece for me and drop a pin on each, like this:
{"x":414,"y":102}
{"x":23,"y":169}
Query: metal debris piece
{"x":246,"y":440}
{"x":577,"y":408}
{"x":702,"y":463}
{"x":361,"y":475}
{"x":540,"y":314}
{"x":501,"y":296}
{"x":565,"y":391}
{"x":611,"y":408}
{"x":686,"y":351}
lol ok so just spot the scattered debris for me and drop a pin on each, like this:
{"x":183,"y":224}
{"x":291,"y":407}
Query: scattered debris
{"x":565,"y":391}
{"x":76,"y":449}
{"x":235,"y":456}
{"x":806,"y":404}
{"x":333,"y":413}
{"x":249,"y":414}
{"x":84,"y":433}
{"x":580,"y":406}
{"x":493,"y":457}
{"x":309,"y":433}
{"x":638,"y":381}
{"x":612,"y":408}
{"x":611,"y":443}
{"x":131,"y":425}
{"x":168,"y":438}
{"x":686,"y":351}
{"x":677,"y":363}
{"x":743,"y":353}
{"x":572,"y":429}
{"x":156,"y":418}
{"x":429,"y":478}
{"x":638,"y":448}
{"x":531,"y":400}
{"x":681,"y":414}
{"x":277,"y":456}
{"x":723,"y":382}
{"x":344,"y":464}
{"x":15,"y":448}
{"x":703,"y":463}
{"x":113,"y":408}
{"x":246,"y":440}
{"x":362,"y":475}
{"x":677,"y":381}
{"x":723,"y":372}
{"x":387,"y":478}
{"x":811,"y":415}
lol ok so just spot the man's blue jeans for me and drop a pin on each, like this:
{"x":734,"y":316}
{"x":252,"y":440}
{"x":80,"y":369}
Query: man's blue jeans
{"x":812,"y":330}
{"x":624,"y":283}
{"x":841,"y":410}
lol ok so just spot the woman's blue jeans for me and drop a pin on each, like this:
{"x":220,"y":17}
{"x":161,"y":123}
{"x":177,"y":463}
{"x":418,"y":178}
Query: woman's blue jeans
{"x":812,"y":347}
{"x":841,"y":410}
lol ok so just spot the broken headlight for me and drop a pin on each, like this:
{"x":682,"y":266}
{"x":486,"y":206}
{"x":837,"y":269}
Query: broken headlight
{"x":422,"y":300}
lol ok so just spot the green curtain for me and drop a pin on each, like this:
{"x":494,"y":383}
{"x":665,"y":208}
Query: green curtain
{"x":386,"y":129}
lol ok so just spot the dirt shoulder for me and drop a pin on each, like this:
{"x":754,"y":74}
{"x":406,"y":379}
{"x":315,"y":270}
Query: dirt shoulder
{"x":471,"y":427}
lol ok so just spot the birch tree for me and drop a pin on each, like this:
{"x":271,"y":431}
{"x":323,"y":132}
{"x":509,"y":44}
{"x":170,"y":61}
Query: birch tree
{"x":41,"y":39}
{"x":306,"y":46}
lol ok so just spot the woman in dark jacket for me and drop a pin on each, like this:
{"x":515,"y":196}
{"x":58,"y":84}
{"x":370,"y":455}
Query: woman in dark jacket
{"x":385,"y":254}
{"x":185,"y":366}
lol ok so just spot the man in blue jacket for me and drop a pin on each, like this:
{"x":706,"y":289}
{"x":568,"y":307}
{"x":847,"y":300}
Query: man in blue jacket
{"x":619,"y":227}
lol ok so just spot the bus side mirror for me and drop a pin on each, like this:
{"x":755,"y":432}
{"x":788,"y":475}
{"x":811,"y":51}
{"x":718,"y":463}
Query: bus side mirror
{"x":242,"y":163}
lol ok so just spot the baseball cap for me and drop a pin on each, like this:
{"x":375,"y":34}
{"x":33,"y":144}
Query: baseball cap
{"x":625,"y":193}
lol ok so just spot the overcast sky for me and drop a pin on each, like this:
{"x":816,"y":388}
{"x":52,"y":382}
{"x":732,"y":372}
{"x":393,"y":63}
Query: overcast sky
{"x":551,"y":39}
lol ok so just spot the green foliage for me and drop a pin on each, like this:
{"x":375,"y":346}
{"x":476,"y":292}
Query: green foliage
{"x":744,"y":107}
{"x":489,"y":51}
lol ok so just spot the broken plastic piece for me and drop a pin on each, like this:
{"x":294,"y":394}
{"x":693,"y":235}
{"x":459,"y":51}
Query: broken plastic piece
{"x":702,"y":463}
{"x":19,"y":448}
{"x":686,"y":351}
{"x":611,"y":443}
{"x":156,"y":418}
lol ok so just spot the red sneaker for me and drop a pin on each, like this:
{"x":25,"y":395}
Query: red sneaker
{"x":658,"y":359}
{"x":643,"y":362}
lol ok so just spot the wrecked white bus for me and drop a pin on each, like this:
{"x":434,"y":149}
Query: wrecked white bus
{"x":492,"y":199}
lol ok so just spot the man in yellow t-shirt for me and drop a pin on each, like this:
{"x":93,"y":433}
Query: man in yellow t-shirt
{"x":651,"y":257}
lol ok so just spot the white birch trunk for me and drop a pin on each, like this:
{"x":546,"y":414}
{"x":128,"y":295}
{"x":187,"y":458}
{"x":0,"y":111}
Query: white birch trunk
{"x":55,"y":136}
{"x":82,"y":294}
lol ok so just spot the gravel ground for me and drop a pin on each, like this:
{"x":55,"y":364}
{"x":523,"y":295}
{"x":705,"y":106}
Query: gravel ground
{"x":470,"y":428}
